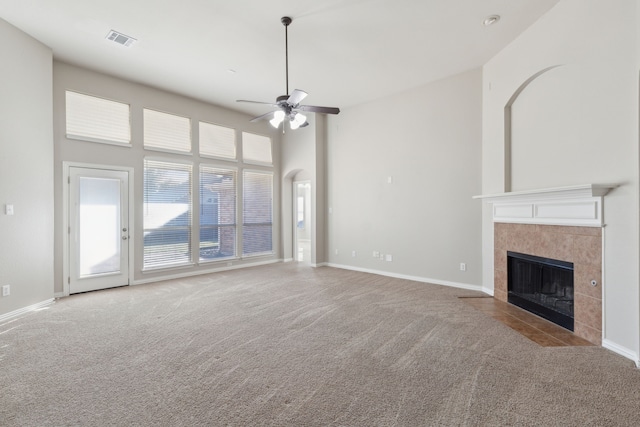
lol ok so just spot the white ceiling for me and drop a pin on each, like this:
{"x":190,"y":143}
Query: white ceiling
{"x":342,"y":52}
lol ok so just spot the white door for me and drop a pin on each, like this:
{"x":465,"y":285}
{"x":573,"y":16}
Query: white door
{"x":98,"y":229}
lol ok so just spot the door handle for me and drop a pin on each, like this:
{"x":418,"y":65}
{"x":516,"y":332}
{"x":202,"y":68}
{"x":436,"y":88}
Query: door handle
{"x":124,"y":229}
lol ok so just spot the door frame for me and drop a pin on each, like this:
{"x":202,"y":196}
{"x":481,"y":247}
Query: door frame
{"x":294,"y":198}
{"x":66,"y":257}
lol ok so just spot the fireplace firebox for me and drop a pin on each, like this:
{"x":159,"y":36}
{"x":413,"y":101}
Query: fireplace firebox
{"x":542,"y":286}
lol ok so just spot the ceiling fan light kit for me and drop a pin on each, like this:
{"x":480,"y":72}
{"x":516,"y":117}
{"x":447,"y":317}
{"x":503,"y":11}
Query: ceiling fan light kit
{"x":289,"y":105}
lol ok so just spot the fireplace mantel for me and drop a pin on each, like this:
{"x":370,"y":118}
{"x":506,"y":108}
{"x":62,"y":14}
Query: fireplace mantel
{"x":579,"y":205}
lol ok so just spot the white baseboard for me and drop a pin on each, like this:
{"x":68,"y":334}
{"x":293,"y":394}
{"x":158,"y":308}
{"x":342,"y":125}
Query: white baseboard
{"x":201,"y":272}
{"x":622,"y":351}
{"x":25,"y":310}
{"x":320,"y":264}
{"x":414,"y":278}
{"x":287,"y":260}
{"x":487,"y":291}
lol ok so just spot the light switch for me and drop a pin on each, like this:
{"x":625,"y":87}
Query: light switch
{"x":8,"y":209}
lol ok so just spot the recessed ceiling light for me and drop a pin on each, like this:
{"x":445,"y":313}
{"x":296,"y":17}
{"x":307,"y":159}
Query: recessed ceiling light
{"x":120,"y":38}
{"x":490,"y":20}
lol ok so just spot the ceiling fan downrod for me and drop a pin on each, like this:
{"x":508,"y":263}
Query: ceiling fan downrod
{"x":286,"y":21}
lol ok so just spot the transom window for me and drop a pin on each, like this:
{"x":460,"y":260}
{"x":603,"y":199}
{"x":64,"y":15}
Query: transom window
{"x":96,"y":119}
{"x":166,"y":132}
{"x":217,"y":141}
{"x":256,"y":148}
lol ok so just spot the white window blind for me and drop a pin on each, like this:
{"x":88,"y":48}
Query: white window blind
{"x":167,"y":132}
{"x":217,"y":141}
{"x":217,"y":213}
{"x":257,"y":213}
{"x":256,"y":148}
{"x":167,"y":214}
{"x":96,"y":119}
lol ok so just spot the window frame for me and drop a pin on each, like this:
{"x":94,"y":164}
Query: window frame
{"x":190,"y":260}
{"x":202,"y":167}
{"x":243,"y":224}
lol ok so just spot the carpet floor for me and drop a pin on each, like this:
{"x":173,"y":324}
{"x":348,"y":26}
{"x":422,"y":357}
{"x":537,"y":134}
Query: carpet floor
{"x":288,"y":345}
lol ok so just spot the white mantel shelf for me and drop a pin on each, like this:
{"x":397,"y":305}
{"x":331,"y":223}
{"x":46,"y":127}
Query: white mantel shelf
{"x":579,"y":205}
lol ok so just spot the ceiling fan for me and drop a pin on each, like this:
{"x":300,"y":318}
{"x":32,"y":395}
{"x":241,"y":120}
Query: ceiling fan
{"x":289,"y":105}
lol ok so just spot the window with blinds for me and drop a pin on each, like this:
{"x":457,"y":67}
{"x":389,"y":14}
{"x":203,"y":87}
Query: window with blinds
{"x":94,"y":119}
{"x":256,"y":148}
{"x":167,"y":214}
{"x":257,"y":213}
{"x":166,"y":132}
{"x":217,"y":213}
{"x":217,"y":141}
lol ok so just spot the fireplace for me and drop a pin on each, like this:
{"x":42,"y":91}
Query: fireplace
{"x":542,"y":286}
{"x":563,"y":223}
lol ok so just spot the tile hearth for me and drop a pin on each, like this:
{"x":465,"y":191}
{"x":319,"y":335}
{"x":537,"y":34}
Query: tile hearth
{"x":538,"y":330}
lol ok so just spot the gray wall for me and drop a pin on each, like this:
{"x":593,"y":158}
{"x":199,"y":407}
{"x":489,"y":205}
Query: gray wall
{"x":428,"y":141}
{"x":26,"y":170}
{"x":139,"y":96}
{"x":585,"y":113}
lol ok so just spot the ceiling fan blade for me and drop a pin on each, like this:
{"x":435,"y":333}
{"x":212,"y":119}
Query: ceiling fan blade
{"x":296,"y":97}
{"x":266,"y":116}
{"x":257,"y":102}
{"x":316,"y":109}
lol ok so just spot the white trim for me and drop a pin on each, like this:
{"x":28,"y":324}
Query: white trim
{"x":466,"y":286}
{"x":575,"y":191}
{"x":622,"y":351}
{"x":580,"y":205}
{"x":287,"y":260}
{"x":201,"y":272}
{"x":24,"y":310}
{"x":320,"y":264}
{"x":487,"y":291}
{"x":99,"y":140}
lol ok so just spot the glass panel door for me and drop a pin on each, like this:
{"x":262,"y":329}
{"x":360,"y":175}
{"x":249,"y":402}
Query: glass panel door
{"x":98,"y":229}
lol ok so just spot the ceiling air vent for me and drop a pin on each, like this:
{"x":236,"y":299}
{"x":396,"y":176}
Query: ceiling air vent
{"x":120,"y":38}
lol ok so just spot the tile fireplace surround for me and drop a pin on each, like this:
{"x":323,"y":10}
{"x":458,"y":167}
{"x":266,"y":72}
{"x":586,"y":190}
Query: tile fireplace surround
{"x":580,"y":245}
{"x":559,"y":223}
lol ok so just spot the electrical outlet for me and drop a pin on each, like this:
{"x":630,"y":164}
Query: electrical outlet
{"x":353,"y":253}
{"x":336,"y":252}
{"x":388,"y":257}
{"x":463,"y":266}
{"x":376,"y":254}
{"x":6,"y":290}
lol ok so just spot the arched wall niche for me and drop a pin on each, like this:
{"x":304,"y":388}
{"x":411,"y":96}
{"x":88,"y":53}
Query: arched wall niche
{"x":543,"y":130}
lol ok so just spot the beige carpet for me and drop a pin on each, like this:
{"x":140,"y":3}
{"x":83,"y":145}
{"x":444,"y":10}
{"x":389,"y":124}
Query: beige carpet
{"x":288,"y":345}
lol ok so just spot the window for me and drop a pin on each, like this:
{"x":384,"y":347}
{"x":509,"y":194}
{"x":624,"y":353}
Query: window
{"x":256,"y":148}
{"x":98,"y":120}
{"x":217,"y":213}
{"x":217,"y":141}
{"x":167,"y":214}
{"x":166,"y":132}
{"x":257,"y":213}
